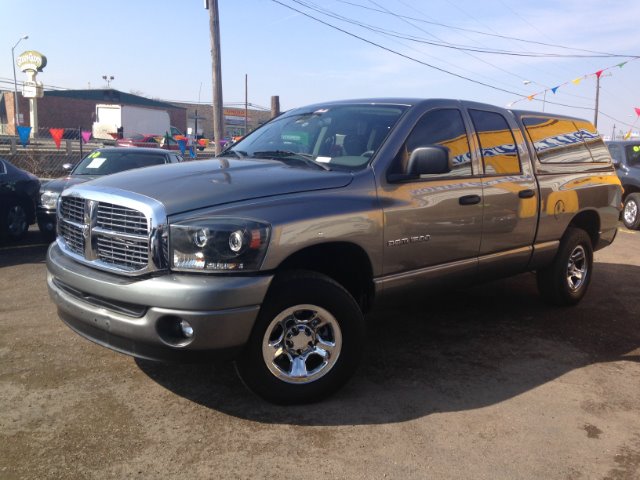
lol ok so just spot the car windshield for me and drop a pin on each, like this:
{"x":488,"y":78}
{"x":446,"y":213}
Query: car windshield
{"x":344,"y":135}
{"x":633,"y":154}
{"x":107,"y":162}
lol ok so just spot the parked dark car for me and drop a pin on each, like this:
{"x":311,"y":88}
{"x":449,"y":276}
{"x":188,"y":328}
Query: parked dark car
{"x":100,"y":162}
{"x":18,"y":197}
{"x":626,"y":158}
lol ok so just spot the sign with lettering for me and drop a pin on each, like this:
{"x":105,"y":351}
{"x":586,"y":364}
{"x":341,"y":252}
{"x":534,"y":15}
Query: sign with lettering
{"x":31,"y":60}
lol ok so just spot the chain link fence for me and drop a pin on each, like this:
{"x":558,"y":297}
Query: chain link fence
{"x":44,"y":159}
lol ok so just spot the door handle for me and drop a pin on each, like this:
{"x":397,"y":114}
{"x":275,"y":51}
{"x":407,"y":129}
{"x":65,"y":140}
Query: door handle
{"x":469,"y":200}
{"x":526,"y":193}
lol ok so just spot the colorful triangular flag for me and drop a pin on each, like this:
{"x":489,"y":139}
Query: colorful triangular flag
{"x":23,"y":133}
{"x":56,"y":134}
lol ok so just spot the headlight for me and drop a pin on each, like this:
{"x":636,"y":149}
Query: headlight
{"x":218,"y":245}
{"x":49,"y":200}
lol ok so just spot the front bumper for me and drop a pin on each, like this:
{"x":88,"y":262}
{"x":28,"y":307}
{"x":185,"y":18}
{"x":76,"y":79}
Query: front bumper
{"x":132,"y":315}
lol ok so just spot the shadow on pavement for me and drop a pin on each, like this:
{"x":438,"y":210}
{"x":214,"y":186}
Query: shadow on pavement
{"x":31,"y":249}
{"x":459,"y":350}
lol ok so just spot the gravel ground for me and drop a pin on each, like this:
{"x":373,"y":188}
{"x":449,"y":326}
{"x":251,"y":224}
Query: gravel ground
{"x":481,"y":383}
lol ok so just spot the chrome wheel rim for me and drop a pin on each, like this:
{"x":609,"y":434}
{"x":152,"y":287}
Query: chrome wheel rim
{"x":302,"y":344}
{"x":16,"y":220}
{"x":577,"y":268}
{"x":630,"y":212}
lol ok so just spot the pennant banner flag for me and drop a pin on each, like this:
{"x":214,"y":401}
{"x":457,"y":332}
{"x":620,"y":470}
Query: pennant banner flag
{"x":555,"y":89}
{"x":637,"y":111}
{"x":598,"y":73}
{"x":23,"y":133}
{"x":86,"y":136}
{"x":576,"y":81}
{"x":56,"y":134}
{"x":183,"y":146}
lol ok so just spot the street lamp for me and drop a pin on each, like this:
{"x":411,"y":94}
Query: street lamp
{"x":15,"y":81}
{"x":108,"y":78}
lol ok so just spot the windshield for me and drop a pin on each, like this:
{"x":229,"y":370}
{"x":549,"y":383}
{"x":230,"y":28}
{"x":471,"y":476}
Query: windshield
{"x":107,"y":162}
{"x":633,"y":155}
{"x":337,"y":135}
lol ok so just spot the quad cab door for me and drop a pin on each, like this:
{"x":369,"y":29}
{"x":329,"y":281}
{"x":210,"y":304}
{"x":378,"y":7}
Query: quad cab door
{"x":432,"y":222}
{"x":510,"y":192}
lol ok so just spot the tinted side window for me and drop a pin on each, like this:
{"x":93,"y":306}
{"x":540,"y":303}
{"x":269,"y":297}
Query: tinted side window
{"x":594,"y":141}
{"x":556,"y":140}
{"x":3,"y":169}
{"x":616,"y":152}
{"x":443,"y":128}
{"x":497,"y":145}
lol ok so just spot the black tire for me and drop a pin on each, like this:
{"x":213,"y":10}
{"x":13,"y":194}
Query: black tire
{"x":14,"y":220}
{"x":567,"y":279}
{"x":303,"y":315}
{"x":631,"y":211}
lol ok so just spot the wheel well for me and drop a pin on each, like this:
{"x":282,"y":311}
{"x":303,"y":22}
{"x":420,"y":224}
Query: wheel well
{"x":589,"y":221}
{"x":346,"y":263}
{"x":629,"y":189}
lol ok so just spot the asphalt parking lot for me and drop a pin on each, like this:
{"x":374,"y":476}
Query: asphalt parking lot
{"x":481,"y":383}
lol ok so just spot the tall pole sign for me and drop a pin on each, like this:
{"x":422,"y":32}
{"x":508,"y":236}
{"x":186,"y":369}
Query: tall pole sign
{"x":32,"y":62}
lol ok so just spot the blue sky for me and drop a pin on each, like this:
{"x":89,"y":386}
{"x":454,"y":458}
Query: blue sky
{"x":161,"y":49}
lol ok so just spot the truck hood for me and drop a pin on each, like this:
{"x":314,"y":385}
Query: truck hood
{"x":199,"y":184}
{"x":59,"y":184}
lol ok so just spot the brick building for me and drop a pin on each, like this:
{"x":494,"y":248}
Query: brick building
{"x":73,"y":109}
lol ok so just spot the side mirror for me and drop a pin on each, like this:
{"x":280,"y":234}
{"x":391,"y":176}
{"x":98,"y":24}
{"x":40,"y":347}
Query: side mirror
{"x":432,"y":160}
{"x":616,"y":162}
{"x":67,"y":167}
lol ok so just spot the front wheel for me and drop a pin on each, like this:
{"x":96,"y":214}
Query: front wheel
{"x":630,"y":213}
{"x":566,"y":280}
{"x":307,"y":341}
{"x":13,"y":221}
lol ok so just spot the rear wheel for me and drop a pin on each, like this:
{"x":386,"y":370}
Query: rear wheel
{"x":566,"y":280}
{"x":307,"y":341}
{"x":630,"y":213}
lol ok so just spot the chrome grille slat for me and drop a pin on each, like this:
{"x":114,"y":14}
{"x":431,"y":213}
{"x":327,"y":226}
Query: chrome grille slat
{"x":73,"y":236}
{"x":121,"y":219}
{"x":73,"y":209}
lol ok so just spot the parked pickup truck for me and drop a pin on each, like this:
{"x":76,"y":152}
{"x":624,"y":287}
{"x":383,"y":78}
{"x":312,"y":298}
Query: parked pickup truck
{"x":626,"y":159}
{"x":275,"y":250}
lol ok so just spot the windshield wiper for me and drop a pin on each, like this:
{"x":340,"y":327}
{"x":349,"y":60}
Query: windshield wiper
{"x":237,"y":153}
{"x":286,"y":155}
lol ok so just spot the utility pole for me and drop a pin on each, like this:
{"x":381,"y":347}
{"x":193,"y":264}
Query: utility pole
{"x":246,"y":104}
{"x":595,"y":115}
{"x":216,"y":73}
{"x":275,"y":106}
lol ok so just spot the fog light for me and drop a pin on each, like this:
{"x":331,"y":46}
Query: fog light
{"x":186,"y":328}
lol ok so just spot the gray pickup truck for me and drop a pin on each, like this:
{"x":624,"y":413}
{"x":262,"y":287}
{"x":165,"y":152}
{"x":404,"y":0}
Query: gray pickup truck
{"x":274,"y":251}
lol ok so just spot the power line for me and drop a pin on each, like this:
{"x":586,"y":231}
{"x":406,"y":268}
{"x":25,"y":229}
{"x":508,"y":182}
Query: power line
{"x":443,"y":44}
{"x":506,"y":37}
{"x":408,"y":57}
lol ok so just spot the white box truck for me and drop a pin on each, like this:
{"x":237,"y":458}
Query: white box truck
{"x":111,"y":118}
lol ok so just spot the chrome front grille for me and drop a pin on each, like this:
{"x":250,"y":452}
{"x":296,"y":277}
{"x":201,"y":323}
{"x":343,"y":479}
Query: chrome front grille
{"x":109,"y":235}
